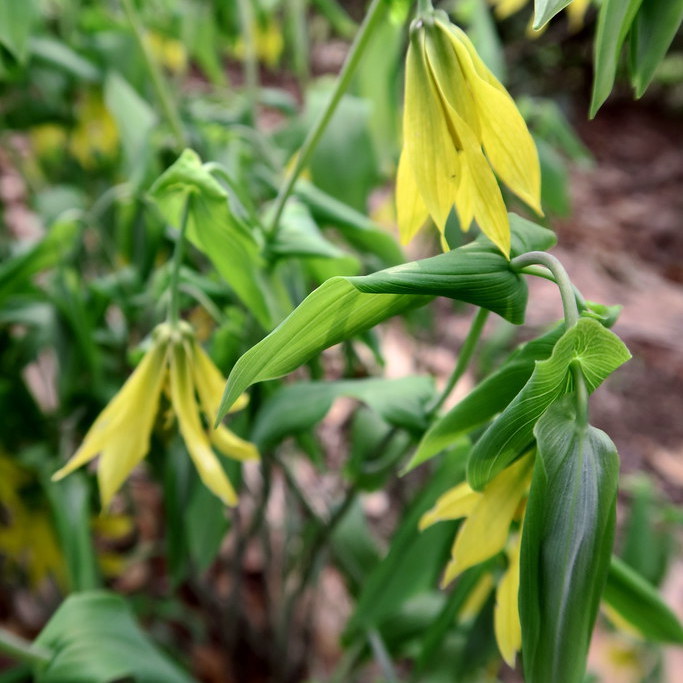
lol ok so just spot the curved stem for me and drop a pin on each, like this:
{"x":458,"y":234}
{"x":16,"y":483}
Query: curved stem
{"x":23,"y":650}
{"x":543,"y":272}
{"x":571,"y":311}
{"x":157,"y":78}
{"x":372,"y":19}
{"x":174,"y":307}
{"x":464,"y":357}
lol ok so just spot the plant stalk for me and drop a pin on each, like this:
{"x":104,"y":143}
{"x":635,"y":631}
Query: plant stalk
{"x":372,"y":20}
{"x":23,"y":650}
{"x":251,"y":69}
{"x":158,"y":82}
{"x":464,"y":358}
{"x":174,"y":307}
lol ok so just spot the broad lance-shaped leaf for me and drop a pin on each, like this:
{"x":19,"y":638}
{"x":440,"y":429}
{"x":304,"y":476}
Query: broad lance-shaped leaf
{"x":297,"y":407}
{"x":597,"y":351}
{"x":652,"y":32}
{"x":213,"y":228}
{"x":95,"y":639}
{"x":614,"y":22}
{"x":487,"y":399}
{"x":545,"y":10}
{"x":344,"y":306}
{"x":638,"y":602}
{"x":566,"y":543}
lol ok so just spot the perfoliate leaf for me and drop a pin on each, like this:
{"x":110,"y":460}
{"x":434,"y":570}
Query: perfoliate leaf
{"x":652,"y":31}
{"x":637,"y":601}
{"x":213,"y":228}
{"x":614,"y":22}
{"x":596,"y":350}
{"x":344,"y":306}
{"x":545,"y":10}
{"x":297,"y":407}
{"x":487,"y":399}
{"x":566,"y":544}
{"x":95,"y":639}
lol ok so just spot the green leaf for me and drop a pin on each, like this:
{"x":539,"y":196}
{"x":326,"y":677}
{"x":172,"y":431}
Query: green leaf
{"x":639,"y":603}
{"x":16,"y":21}
{"x":597,"y":351}
{"x":614,"y":22}
{"x":95,"y":639}
{"x":60,"y":55}
{"x":344,"y":306}
{"x":298,"y":407}
{"x":545,"y":10}
{"x":652,"y":32}
{"x":213,"y":228}
{"x":566,"y":544}
{"x":487,"y":399}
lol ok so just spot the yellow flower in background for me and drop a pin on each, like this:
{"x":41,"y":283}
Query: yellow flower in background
{"x":576,"y":12}
{"x":121,"y":433}
{"x":485,"y":533}
{"x":268,"y":43}
{"x":460,"y":126}
{"x":169,"y":52}
{"x":95,"y":136}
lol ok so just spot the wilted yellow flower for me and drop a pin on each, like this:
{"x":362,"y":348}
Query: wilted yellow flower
{"x":576,"y":11}
{"x":122,"y":431}
{"x":484,"y":534}
{"x":459,"y":126}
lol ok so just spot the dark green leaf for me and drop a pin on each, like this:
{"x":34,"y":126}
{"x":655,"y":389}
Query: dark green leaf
{"x":566,"y":543}
{"x":487,"y":399}
{"x":95,"y":639}
{"x":614,"y":22}
{"x":596,"y":350}
{"x":213,"y":228}
{"x":653,"y":30}
{"x":637,"y":601}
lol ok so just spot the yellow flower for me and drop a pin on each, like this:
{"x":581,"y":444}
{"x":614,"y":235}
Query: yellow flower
{"x":268,"y":43}
{"x":95,"y":136}
{"x":484,"y":534}
{"x":459,"y":126}
{"x":122,"y":431}
{"x":168,"y":51}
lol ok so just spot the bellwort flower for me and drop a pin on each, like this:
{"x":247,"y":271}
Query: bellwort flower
{"x":460,"y":128}
{"x":485,"y":533}
{"x":177,"y":365}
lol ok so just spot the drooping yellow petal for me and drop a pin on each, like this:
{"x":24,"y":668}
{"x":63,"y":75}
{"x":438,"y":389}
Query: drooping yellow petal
{"x":232,"y":445}
{"x":477,"y":597}
{"x":428,"y":145}
{"x":506,"y":8}
{"x":121,"y":431}
{"x":576,"y":13}
{"x":411,"y":211}
{"x":504,"y":134}
{"x":210,"y":384}
{"x":187,"y":411}
{"x":506,"y":623}
{"x":485,"y":531}
{"x":455,"y":503}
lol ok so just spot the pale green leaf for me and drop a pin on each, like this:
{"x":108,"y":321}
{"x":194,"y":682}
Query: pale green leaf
{"x":545,"y":10}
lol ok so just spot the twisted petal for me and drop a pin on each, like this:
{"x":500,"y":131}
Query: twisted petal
{"x":410,"y":209}
{"x":197,"y":442}
{"x":506,"y":623}
{"x":485,"y":531}
{"x":430,"y":149}
{"x":122,"y":430}
{"x":504,"y":134}
{"x":455,"y":503}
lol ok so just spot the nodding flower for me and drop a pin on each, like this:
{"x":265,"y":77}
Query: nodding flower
{"x":461,"y":128}
{"x":177,"y":366}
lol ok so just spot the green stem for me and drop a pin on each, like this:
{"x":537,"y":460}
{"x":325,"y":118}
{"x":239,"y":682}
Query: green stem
{"x":381,"y":655}
{"x":174,"y":307}
{"x":23,"y":650}
{"x":571,"y":311}
{"x":372,"y":20}
{"x":424,"y":7}
{"x":251,"y":73}
{"x":157,"y":78}
{"x":464,"y":357}
{"x":543,"y":272}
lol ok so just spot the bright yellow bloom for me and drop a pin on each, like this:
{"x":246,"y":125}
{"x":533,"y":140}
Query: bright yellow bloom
{"x":122,"y":431}
{"x":484,"y":534}
{"x":460,"y":126}
{"x":268,"y":43}
{"x":168,"y":51}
